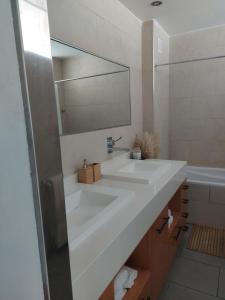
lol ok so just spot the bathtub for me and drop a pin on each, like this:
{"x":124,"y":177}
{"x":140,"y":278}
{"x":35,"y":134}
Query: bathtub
{"x":208,"y":176}
{"x":207,"y":196}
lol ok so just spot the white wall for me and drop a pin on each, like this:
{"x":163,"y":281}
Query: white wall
{"x":20,"y":273}
{"x":198,"y":98}
{"x":110,"y":30}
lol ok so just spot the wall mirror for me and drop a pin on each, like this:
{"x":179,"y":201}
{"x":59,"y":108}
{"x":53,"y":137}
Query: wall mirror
{"x":92,"y":93}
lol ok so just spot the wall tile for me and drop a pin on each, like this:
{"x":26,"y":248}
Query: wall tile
{"x":197,"y":97}
{"x":161,"y":89}
{"x":79,"y":28}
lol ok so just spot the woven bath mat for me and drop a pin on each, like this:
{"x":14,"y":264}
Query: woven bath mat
{"x":207,"y":240}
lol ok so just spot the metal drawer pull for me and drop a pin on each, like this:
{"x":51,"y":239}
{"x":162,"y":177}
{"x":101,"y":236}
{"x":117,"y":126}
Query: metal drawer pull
{"x":186,"y":187}
{"x":178,"y":234}
{"x":185,"y":228}
{"x":163,"y":225}
{"x":186,"y":201}
{"x":181,"y":228}
{"x":185,"y":215}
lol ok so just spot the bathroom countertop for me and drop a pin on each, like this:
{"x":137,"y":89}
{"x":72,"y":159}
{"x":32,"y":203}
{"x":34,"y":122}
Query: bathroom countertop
{"x":97,"y":259}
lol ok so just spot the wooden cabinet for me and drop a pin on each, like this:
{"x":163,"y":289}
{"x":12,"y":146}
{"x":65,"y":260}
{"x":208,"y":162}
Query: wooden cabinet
{"x":140,"y":290}
{"x":155,"y":254}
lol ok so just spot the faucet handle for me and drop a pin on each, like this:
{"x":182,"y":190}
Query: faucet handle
{"x":111,"y":143}
{"x":120,"y":138}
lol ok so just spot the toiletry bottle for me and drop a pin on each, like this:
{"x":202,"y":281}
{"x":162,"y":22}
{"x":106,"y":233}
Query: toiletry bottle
{"x":136,"y":153}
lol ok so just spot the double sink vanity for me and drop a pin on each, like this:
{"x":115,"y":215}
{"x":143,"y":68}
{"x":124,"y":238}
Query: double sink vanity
{"x":123,"y":218}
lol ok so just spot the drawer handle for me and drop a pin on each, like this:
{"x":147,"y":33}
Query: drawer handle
{"x":180,"y":229}
{"x":186,"y":201}
{"x":160,"y":230}
{"x":178,"y":234}
{"x":185,"y":187}
{"x":185,"y":228}
{"x":185,"y":215}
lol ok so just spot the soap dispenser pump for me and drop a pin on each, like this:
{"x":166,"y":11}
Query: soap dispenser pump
{"x":85,"y":174}
{"x":85,"y":164}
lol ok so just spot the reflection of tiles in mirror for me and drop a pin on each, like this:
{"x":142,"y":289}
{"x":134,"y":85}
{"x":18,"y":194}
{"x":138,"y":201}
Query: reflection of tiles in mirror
{"x":92,"y":93}
{"x":207,"y":240}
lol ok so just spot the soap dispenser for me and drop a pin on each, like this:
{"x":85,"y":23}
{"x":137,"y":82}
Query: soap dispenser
{"x":85,"y":174}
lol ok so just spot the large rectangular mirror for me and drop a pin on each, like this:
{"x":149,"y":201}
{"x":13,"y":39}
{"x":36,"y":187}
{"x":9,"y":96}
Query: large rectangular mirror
{"x":92,"y":93}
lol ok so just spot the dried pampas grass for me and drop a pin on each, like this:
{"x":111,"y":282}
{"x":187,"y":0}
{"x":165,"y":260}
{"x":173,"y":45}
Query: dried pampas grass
{"x":149,"y":144}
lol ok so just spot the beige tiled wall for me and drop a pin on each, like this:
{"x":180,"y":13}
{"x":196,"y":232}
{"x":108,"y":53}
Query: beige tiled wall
{"x":110,"y":30}
{"x":197,"y":92}
{"x":147,"y":75}
{"x":161,"y":96}
{"x":156,"y":84}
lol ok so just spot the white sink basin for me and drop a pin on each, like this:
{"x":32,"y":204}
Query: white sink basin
{"x":90,"y":206}
{"x":136,"y":171}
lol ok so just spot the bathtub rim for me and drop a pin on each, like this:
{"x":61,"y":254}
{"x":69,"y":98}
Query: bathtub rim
{"x":207,"y":181}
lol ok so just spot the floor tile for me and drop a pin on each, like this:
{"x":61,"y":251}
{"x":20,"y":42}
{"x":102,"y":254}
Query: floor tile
{"x":198,"y":256}
{"x":204,"y":258}
{"x":195,"y":275}
{"x":221,"y":292}
{"x":176,"y":292}
{"x":164,"y":290}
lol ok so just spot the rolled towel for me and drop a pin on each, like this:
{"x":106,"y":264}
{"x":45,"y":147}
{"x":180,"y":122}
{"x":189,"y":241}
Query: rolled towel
{"x":120,"y":294}
{"x":120,"y":279}
{"x":133,"y":274}
{"x":129,"y":283}
{"x":170,"y":222}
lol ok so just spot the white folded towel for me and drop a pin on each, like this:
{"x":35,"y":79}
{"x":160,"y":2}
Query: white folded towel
{"x":170,"y":222}
{"x":120,"y":279}
{"x":133,"y":274}
{"x":123,"y":281}
{"x":129,"y":283}
{"x":120,"y":294}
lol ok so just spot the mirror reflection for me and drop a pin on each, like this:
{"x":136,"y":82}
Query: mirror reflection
{"x":92,"y":93}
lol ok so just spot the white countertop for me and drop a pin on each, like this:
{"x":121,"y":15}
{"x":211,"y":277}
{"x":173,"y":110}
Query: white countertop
{"x":97,"y":259}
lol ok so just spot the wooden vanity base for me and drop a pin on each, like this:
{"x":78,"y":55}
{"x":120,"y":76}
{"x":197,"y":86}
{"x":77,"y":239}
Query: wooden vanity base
{"x":155,"y":254}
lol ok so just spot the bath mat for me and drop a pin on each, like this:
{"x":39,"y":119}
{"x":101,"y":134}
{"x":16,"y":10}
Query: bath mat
{"x":207,"y":240}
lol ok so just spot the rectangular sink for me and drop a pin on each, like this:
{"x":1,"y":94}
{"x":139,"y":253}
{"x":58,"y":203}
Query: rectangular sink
{"x":90,"y":206}
{"x":146,"y":171}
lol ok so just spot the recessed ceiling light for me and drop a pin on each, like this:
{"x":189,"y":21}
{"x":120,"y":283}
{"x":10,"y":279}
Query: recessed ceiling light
{"x":156,"y":3}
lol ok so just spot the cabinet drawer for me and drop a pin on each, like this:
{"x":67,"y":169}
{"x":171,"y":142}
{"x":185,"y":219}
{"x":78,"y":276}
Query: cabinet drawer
{"x":160,"y":225}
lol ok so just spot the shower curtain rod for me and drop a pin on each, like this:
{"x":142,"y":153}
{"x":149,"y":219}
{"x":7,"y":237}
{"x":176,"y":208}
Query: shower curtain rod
{"x":190,"y":60}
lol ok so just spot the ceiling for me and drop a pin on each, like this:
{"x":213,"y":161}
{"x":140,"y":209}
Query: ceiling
{"x":179,"y":16}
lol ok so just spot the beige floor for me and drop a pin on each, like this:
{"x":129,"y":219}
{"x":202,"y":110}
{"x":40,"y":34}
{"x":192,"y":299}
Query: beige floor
{"x":195,"y":276}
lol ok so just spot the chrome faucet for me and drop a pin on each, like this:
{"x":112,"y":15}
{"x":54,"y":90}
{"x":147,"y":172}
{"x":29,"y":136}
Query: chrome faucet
{"x":111,"y":143}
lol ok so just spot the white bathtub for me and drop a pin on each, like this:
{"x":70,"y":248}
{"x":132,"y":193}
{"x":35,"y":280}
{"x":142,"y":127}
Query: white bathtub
{"x":209,"y":176}
{"x":206,"y":195}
